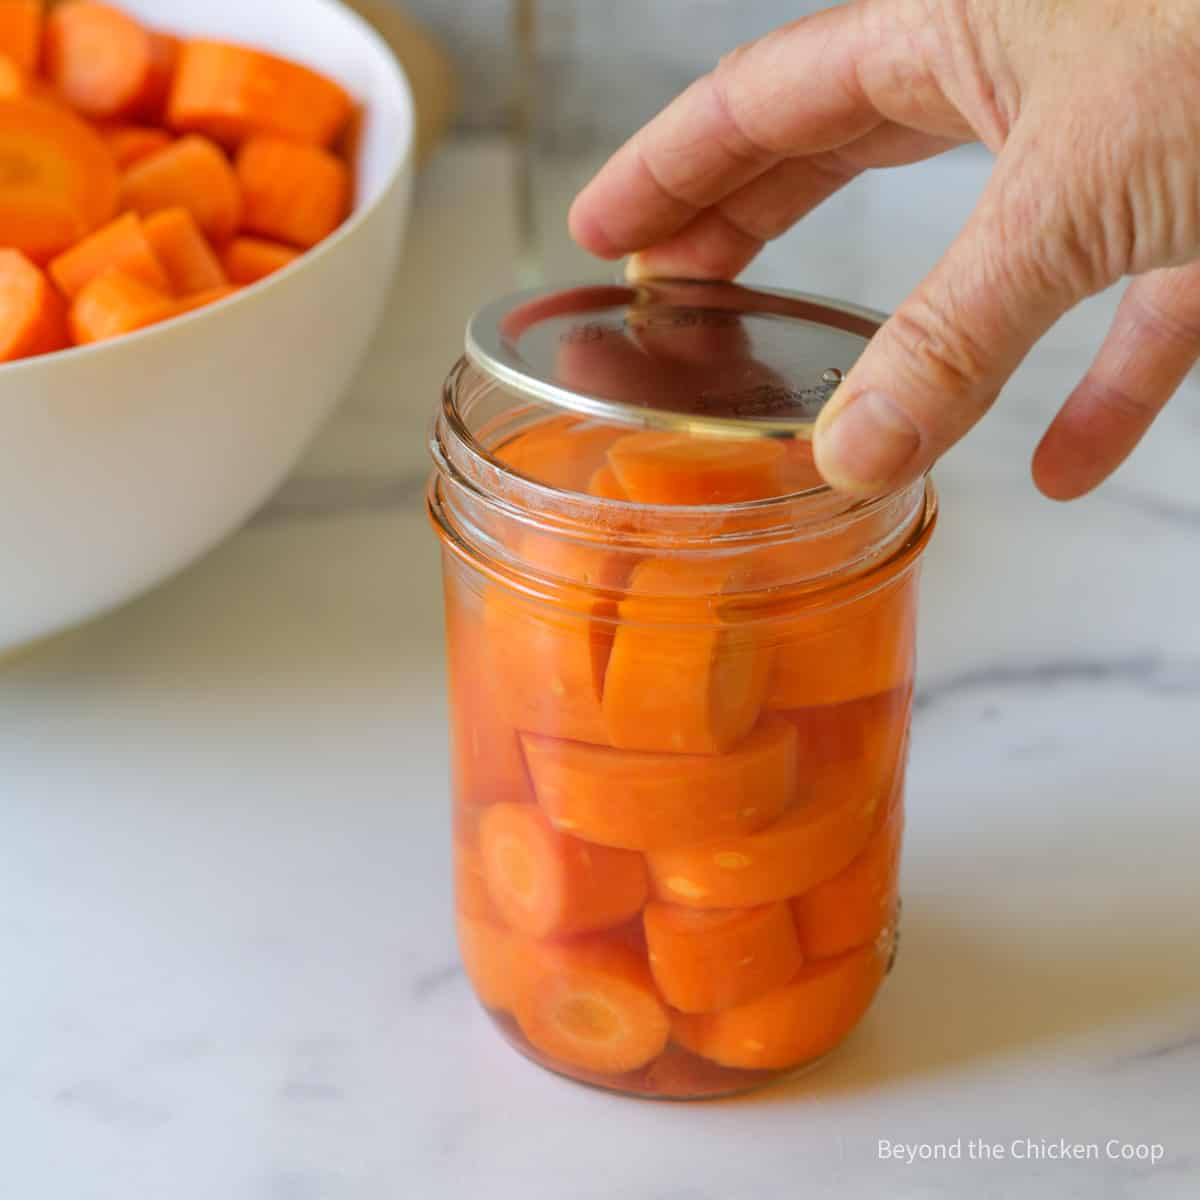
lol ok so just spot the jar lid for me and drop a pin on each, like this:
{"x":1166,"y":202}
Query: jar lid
{"x":707,"y":357}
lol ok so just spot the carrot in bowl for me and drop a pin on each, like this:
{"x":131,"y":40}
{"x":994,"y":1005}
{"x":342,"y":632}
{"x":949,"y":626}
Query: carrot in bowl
{"x":190,"y":303}
{"x":189,"y":261}
{"x":33,"y":316}
{"x":705,"y":960}
{"x":247,"y":260}
{"x":644,"y":801}
{"x":191,"y":173}
{"x":121,"y":244}
{"x":130,"y":143}
{"x":793,"y":1024}
{"x":58,"y":181}
{"x":230,"y":93}
{"x":291,"y":192}
{"x":591,"y":1004}
{"x":13,"y":81}
{"x":114,"y":304}
{"x":545,"y":883}
{"x":21,"y":32}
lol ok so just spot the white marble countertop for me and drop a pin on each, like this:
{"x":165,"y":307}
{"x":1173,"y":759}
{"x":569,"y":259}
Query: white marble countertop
{"x":225,"y":946}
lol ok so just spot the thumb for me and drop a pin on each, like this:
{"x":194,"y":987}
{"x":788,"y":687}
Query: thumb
{"x":938,"y":364}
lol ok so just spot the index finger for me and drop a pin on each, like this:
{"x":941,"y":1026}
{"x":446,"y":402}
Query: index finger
{"x":794,"y":92}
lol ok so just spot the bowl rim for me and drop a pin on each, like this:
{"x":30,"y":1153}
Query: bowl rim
{"x":402,"y":162}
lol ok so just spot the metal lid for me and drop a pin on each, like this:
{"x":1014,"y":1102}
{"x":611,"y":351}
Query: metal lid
{"x":706,"y":357}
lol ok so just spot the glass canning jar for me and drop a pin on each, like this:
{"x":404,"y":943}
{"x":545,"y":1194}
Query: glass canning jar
{"x":680,"y":691}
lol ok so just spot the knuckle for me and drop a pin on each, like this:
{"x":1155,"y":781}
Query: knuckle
{"x":937,"y":350}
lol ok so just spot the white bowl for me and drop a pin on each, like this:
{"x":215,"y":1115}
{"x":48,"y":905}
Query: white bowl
{"x":122,"y":462}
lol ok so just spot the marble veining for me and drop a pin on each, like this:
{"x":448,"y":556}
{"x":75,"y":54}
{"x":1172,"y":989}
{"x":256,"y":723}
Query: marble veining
{"x":224,"y":881}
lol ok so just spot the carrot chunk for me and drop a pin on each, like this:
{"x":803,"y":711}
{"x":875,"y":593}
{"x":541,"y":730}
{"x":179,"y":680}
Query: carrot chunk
{"x":810,"y":843}
{"x":189,"y":261}
{"x":231,"y":92}
{"x":794,"y":1024}
{"x":858,"y":904}
{"x":488,"y":949}
{"x":247,"y":260}
{"x":545,"y":883}
{"x":603,"y":484}
{"x":644,"y":801}
{"x":591,"y":1004}
{"x":21,"y":33}
{"x":564,"y":452}
{"x":131,"y":143}
{"x":191,"y":173}
{"x":102,"y":61}
{"x":13,"y":81}
{"x":57,"y":179}
{"x":114,"y":304}
{"x":122,"y":244}
{"x":657,"y":467}
{"x":33,"y":317}
{"x":705,"y":960}
{"x":860,"y":648}
{"x":187,"y":304}
{"x":682,"y":677}
{"x":292,"y":192}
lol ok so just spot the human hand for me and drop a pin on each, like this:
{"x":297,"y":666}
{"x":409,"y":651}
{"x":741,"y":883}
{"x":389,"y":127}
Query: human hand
{"x":1093,"y":110}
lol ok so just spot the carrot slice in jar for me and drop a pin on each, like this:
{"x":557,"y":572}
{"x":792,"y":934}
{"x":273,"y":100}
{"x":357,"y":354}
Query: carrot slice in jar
{"x":854,"y":907}
{"x":792,"y":1025}
{"x":658,"y":467}
{"x":646,"y":801}
{"x":681,"y":677}
{"x":564,"y":452}
{"x":488,"y":949}
{"x":603,"y":485}
{"x":807,"y":845}
{"x":591,"y":1004}
{"x":545,"y":883}
{"x":705,"y":960}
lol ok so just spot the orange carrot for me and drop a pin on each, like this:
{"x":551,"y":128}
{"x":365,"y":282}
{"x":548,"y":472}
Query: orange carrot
{"x":682,"y":677}
{"x":191,"y":173}
{"x":164,"y":56}
{"x":187,"y":304}
{"x":810,"y":843}
{"x":471,"y":898}
{"x":639,"y":801}
{"x":858,"y":904}
{"x":113,"y":304}
{"x":545,"y":883}
{"x":292,"y":192}
{"x":591,"y":1004}
{"x":188,"y":259}
{"x":102,"y":61}
{"x":131,"y":143}
{"x":121,"y":244}
{"x":247,"y":260}
{"x":490,"y":957}
{"x":657,"y":467}
{"x":231,"y":93}
{"x":57,"y":179}
{"x":564,"y":452}
{"x":604,"y":485}
{"x":12,"y":79}
{"x":794,"y":1024}
{"x":860,"y":648}
{"x":705,"y":960}
{"x":33,"y":318}
{"x":21,"y":33}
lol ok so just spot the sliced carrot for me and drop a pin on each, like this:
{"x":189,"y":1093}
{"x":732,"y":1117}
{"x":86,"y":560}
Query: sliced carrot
{"x":794,"y":1024}
{"x":21,"y":32}
{"x":705,"y":960}
{"x":102,"y":61}
{"x":13,"y":81}
{"x":231,"y":92}
{"x":861,"y":648}
{"x":121,"y":244}
{"x":191,"y":173}
{"x":657,"y":467}
{"x":604,"y":485}
{"x":57,"y":179}
{"x":858,"y":904}
{"x":490,"y":956}
{"x":114,"y":304}
{"x":564,"y":452}
{"x":591,"y":1004}
{"x":131,"y":143}
{"x":292,"y":192}
{"x":247,"y":260}
{"x":33,"y":317}
{"x":545,"y":883}
{"x":164,"y":57}
{"x":187,"y":304}
{"x":189,"y":261}
{"x":640,"y":801}
{"x":471,"y":898}
{"x":682,"y":677}
{"x":870,"y":731}
{"x":810,"y":843}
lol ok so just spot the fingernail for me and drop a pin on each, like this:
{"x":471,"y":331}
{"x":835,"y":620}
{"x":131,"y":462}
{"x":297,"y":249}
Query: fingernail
{"x":638,"y":270}
{"x":861,"y":443}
